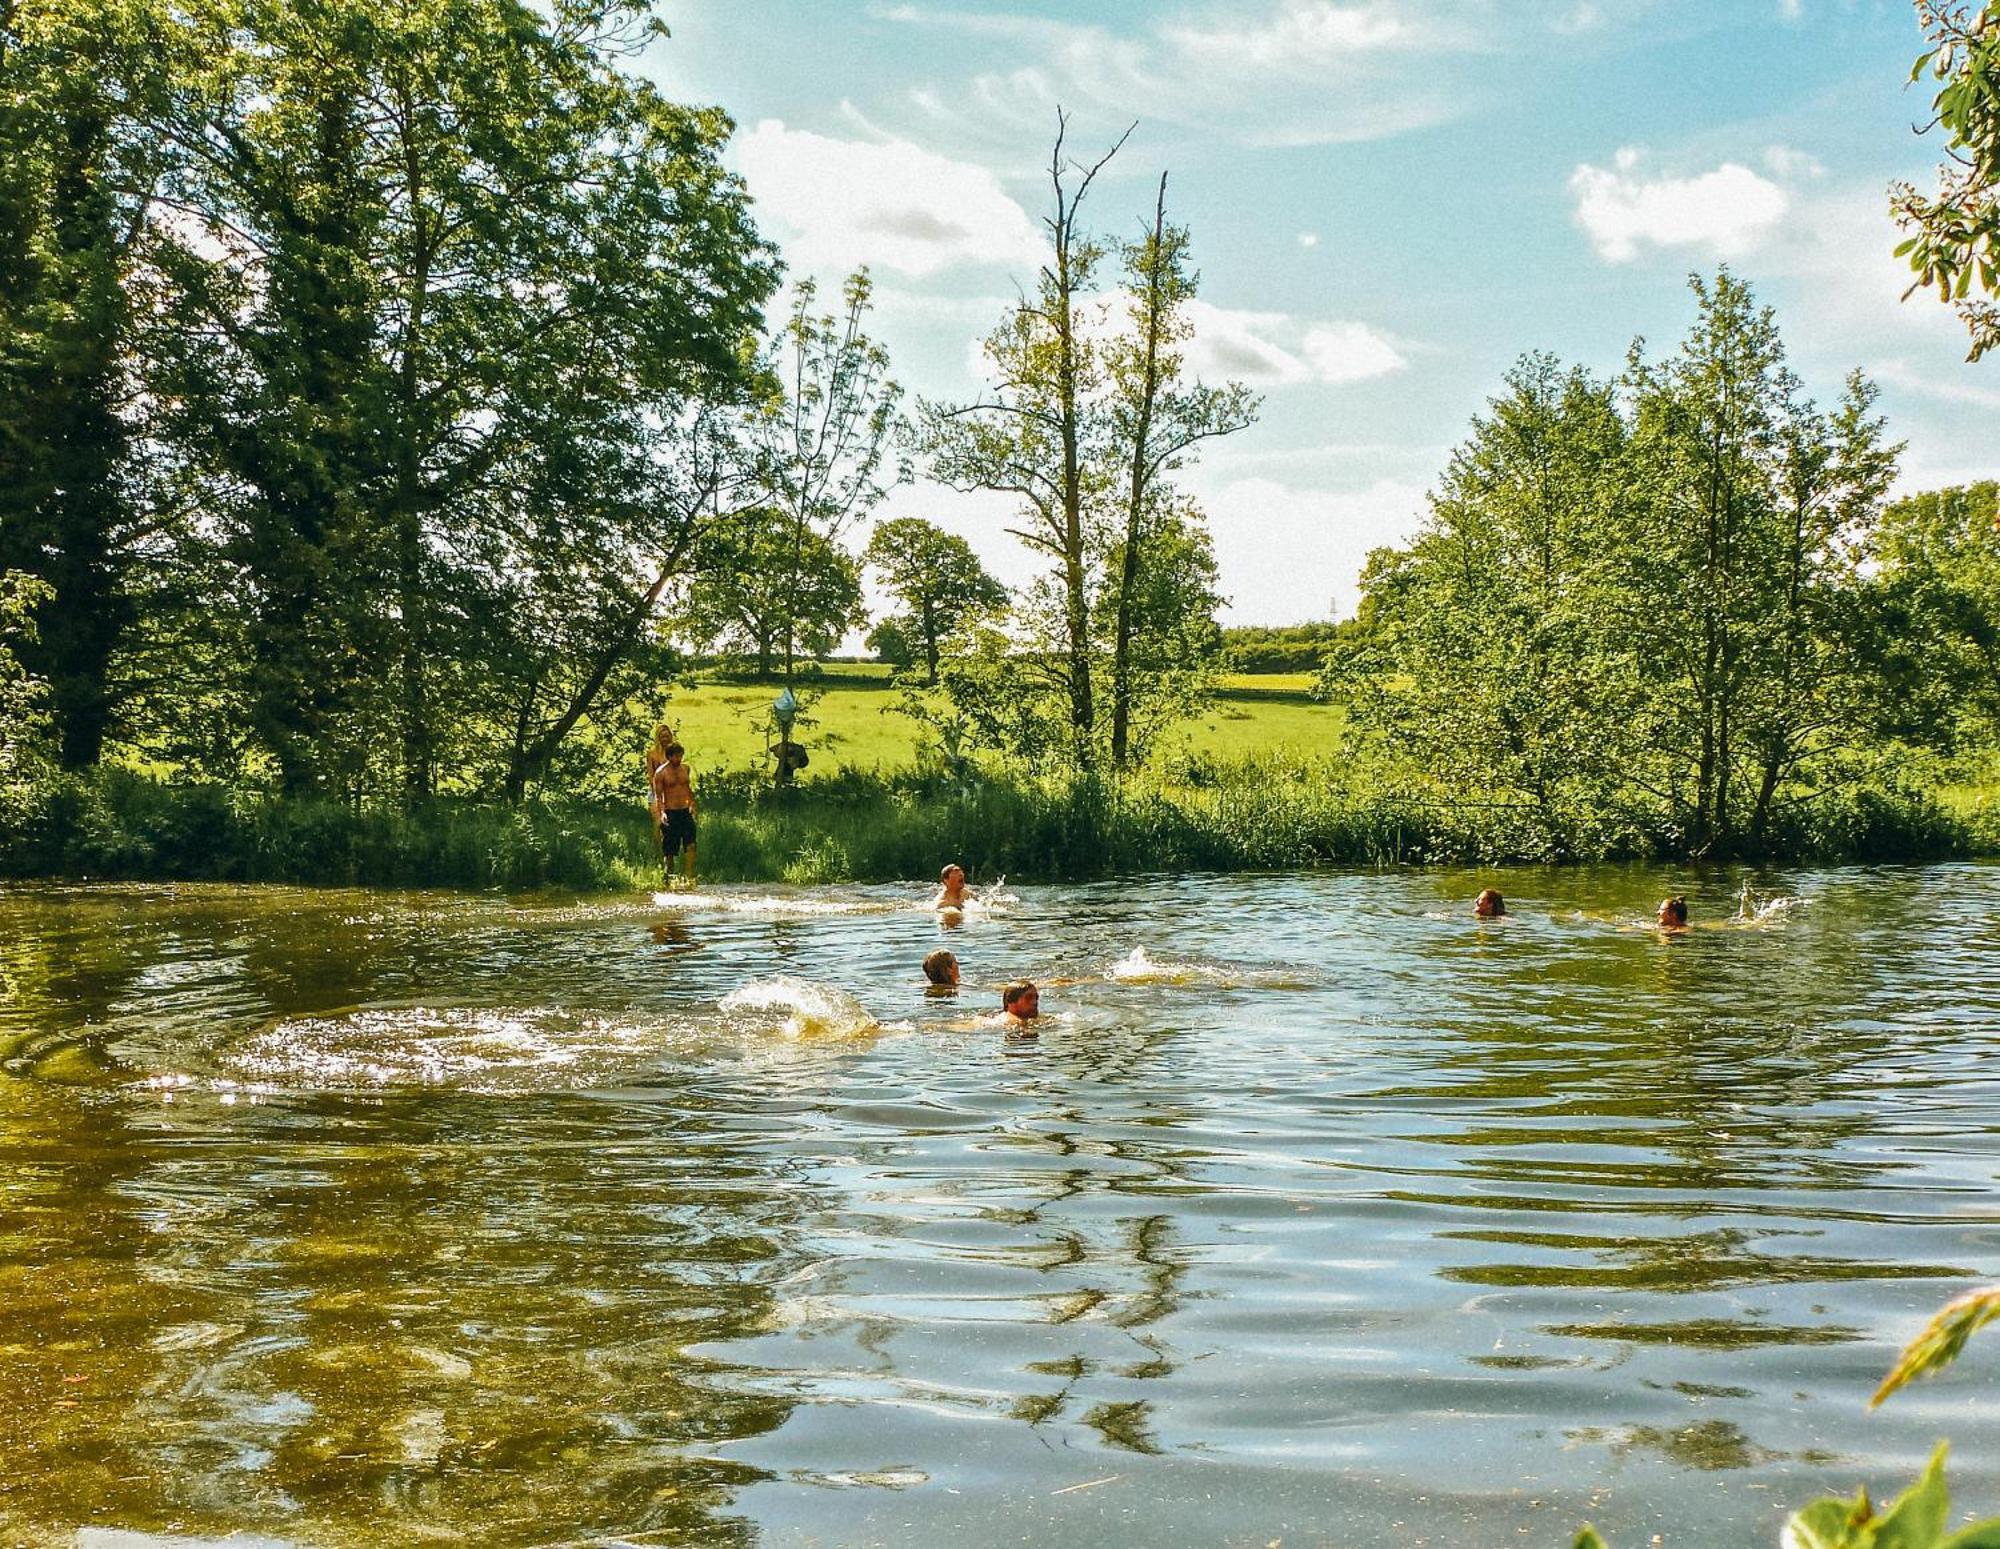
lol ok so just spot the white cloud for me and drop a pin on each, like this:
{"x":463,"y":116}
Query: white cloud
{"x":1729,"y":210}
{"x":1288,"y":554}
{"x":1275,"y":349}
{"x":837,"y":204}
{"x":1309,"y":239}
{"x":1350,"y":352}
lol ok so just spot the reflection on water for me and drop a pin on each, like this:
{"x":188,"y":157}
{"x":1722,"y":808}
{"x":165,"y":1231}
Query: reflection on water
{"x":1317,"y":1212}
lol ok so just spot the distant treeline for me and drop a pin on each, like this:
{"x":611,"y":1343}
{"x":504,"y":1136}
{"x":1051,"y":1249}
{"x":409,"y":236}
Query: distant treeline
{"x":1258,"y":648}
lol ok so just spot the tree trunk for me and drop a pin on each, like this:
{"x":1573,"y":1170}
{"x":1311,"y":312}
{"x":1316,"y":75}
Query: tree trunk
{"x":1136,"y":496}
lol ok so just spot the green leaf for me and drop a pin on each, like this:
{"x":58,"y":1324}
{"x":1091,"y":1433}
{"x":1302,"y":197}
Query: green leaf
{"x":1981,"y":1535}
{"x":1832,"y":1523}
{"x":1916,"y":1519}
{"x":1941,"y":1340}
{"x":1589,"y":1539}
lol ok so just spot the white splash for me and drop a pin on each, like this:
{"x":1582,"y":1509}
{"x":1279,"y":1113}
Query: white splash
{"x":805,"y":1011}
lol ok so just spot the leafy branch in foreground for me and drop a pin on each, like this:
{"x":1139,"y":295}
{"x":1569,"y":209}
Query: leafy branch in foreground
{"x":1919,"y":1518}
{"x":1942,"y":1340}
{"x":1956,"y":242}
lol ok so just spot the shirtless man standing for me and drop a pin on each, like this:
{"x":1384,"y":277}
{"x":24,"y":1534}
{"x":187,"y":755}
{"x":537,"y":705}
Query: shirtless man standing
{"x":673,"y":795}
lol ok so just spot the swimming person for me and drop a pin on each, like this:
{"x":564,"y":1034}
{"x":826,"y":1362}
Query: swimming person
{"x":1674,"y":913}
{"x":1020,"y":1004}
{"x":673,"y":790}
{"x":941,"y":969}
{"x":1489,"y":905}
{"x":952,"y":892}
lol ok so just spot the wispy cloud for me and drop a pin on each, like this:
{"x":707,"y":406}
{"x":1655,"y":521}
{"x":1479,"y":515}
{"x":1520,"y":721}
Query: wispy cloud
{"x":1273,"y":72}
{"x":1274,"y":349}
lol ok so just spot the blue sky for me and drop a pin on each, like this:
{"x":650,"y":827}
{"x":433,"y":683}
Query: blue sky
{"x":1391,"y":200}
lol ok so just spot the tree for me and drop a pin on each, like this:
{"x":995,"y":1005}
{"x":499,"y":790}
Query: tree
{"x":22,"y":698}
{"x":763,"y":590}
{"x":939,"y":581}
{"x":80,"y":89}
{"x":1156,"y":419}
{"x":1702,"y":566}
{"x":1040,"y":434}
{"x":822,"y":438}
{"x":461,"y":283}
{"x":1649,"y":606}
{"x":1956,"y":240}
{"x":1490,"y":658}
{"x":1165,"y":645}
{"x":1938,"y":557}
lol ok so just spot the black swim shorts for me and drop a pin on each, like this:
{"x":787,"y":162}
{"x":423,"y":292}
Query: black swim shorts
{"x":677,"y":830}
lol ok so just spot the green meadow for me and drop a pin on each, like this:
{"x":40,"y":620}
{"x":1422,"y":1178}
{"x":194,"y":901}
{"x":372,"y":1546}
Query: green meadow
{"x":852,"y":724}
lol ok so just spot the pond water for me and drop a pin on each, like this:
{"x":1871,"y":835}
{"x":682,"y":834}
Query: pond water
{"x":1318,"y":1212}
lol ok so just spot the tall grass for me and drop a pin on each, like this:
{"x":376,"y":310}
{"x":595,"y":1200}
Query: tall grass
{"x":854,"y":827}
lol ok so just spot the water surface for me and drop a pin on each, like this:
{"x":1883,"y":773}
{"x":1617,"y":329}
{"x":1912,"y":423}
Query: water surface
{"x":1319,"y":1212}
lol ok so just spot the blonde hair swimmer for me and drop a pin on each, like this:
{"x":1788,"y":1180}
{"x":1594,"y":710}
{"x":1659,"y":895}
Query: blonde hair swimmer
{"x":941,"y":970}
{"x":1489,"y":905}
{"x":656,"y":755}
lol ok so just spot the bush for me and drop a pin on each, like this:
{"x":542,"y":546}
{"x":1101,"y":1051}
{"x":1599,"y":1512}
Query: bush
{"x":1268,"y":816}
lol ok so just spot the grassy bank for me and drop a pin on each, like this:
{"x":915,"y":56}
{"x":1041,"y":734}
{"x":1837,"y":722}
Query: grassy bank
{"x":853,"y":827}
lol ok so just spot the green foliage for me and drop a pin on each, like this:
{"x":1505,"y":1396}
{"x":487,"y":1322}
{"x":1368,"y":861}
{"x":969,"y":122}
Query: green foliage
{"x":940,"y":583}
{"x":1955,"y":246}
{"x":767,"y":590}
{"x":1647,"y":603}
{"x":1084,"y":428}
{"x":1290,"y":648}
{"x":427,"y":319}
{"x":82,"y":150}
{"x":23,"y":718}
{"x":1938,"y":557}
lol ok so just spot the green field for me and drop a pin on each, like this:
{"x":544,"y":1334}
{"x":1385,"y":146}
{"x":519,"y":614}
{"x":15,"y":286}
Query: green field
{"x":851,"y":722}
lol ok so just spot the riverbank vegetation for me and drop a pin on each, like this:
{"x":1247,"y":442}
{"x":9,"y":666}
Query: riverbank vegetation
{"x":391,"y":427}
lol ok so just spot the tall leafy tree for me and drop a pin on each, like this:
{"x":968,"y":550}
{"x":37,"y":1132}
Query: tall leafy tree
{"x":81,"y":87}
{"x":1703,"y":562}
{"x":823,"y":438}
{"x":1954,"y":244}
{"x":1157,"y":419}
{"x":1165,"y":646}
{"x":461,"y":278}
{"x":938,"y":580}
{"x":1938,"y":557}
{"x":1491,"y":660}
{"x":1040,"y":435}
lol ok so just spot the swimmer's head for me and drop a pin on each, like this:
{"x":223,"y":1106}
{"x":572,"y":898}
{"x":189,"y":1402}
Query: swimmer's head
{"x":1023,"y":1000}
{"x":663,"y":734}
{"x":941,"y":968}
{"x":1674,"y":911}
{"x":672,"y":750}
{"x":1489,"y":905}
{"x":953,"y":875}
